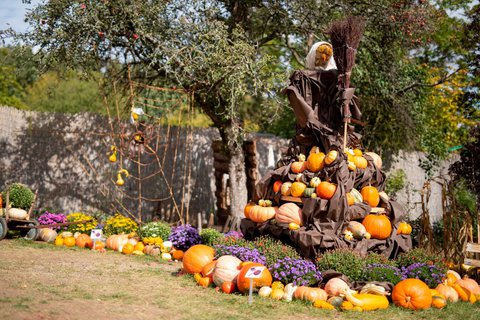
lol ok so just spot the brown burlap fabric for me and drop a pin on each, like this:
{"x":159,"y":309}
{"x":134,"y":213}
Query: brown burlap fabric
{"x":314,"y":96}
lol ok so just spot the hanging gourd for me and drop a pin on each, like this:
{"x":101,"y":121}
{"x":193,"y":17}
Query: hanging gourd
{"x":120,"y":181}
{"x":113,"y":156}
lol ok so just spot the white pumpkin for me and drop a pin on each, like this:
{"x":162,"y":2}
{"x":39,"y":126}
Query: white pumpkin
{"x":18,"y":214}
{"x":47,"y":234}
{"x":226,"y":269}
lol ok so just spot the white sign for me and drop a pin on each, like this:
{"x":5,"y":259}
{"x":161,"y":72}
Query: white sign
{"x":255,"y":272}
{"x":96,"y":234}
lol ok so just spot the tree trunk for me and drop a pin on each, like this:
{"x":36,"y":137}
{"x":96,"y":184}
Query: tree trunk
{"x":237,"y":177}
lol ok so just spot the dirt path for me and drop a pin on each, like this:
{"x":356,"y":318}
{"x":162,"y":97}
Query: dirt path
{"x":45,"y":282}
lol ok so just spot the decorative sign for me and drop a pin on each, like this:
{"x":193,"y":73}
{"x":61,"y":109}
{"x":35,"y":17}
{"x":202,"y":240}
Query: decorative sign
{"x":255,"y":272}
{"x":96,"y":234}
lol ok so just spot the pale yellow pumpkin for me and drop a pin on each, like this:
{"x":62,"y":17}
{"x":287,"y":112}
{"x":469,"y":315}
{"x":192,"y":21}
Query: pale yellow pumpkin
{"x":289,"y":212}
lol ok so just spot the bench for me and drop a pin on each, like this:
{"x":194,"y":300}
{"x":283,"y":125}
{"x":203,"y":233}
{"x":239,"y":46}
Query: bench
{"x":472,"y":254}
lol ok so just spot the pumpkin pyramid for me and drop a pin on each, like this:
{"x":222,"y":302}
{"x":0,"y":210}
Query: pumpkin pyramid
{"x":324,"y":196}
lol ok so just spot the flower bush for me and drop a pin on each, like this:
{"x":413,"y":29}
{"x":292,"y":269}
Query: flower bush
{"x":383,"y":272}
{"x":242,"y":253}
{"x":346,"y":261}
{"x":81,"y":227}
{"x":118,"y":224}
{"x":297,"y":271}
{"x":419,"y":255}
{"x":274,"y":250}
{"x":429,"y":273}
{"x":52,"y":218}
{"x":20,"y":196}
{"x":155,"y":229}
{"x":210,"y":236}
{"x":184,"y":236}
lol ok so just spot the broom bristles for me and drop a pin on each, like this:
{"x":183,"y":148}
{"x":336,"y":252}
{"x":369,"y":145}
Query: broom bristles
{"x":345,"y":36}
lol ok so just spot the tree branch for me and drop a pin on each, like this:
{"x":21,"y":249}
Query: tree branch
{"x":294,"y":53}
{"x":418,"y":84}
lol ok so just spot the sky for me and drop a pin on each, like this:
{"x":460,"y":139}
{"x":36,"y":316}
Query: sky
{"x":12,"y":13}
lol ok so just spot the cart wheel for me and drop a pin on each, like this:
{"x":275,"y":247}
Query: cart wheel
{"x":3,"y":228}
{"x":31,"y":234}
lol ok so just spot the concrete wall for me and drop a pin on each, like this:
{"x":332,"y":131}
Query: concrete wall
{"x":65,"y":158}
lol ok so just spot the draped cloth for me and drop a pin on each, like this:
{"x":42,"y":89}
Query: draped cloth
{"x":317,"y":104}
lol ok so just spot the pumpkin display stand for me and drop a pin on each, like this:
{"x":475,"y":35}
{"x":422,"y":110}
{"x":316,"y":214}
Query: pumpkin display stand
{"x":326,"y":192}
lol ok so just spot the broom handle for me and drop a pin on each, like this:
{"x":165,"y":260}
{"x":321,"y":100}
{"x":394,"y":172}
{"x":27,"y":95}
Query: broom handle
{"x":345,"y":124}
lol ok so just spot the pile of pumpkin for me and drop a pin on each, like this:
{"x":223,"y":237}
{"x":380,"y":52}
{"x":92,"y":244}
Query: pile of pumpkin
{"x":124,"y":243}
{"x":228,"y":273}
{"x":375,"y":225}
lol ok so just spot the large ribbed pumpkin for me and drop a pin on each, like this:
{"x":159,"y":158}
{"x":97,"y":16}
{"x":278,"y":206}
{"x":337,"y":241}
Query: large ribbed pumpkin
{"x":243,"y":284}
{"x":376,"y":159}
{"x":117,"y":241}
{"x":197,"y":257}
{"x":226,"y":269}
{"x":379,"y":226}
{"x":47,"y":234}
{"x":469,"y":284}
{"x":261,"y":214}
{"x":370,"y":195}
{"x":289,"y":212}
{"x":412,"y":294}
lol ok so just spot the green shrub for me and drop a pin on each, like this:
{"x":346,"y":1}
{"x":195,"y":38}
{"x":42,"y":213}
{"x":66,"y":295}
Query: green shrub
{"x":346,"y":261}
{"x":210,"y":236}
{"x":274,"y":249}
{"x":20,"y":196}
{"x":155,"y":229}
{"x":375,"y":258}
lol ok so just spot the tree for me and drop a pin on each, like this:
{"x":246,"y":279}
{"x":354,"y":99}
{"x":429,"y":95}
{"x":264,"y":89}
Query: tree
{"x":235,"y":55}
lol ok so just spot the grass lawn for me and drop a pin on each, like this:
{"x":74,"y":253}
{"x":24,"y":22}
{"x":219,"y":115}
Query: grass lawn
{"x":41,"y":281}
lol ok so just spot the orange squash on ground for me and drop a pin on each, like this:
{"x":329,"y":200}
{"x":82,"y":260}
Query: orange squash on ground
{"x":196,"y":257}
{"x":289,"y":212}
{"x":412,"y":294}
{"x":69,"y":241}
{"x":310,"y":294}
{"x":84,"y":241}
{"x":379,"y":226}
{"x":243,"y":284}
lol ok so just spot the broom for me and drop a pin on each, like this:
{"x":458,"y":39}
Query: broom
{"x":345,"y":36}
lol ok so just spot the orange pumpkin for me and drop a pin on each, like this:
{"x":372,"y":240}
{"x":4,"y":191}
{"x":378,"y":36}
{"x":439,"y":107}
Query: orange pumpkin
{"x":243,"y":284}
{"x":289,"y":212}
{"x":139,"y":246}
{"x":448,"y":292}
{"x":326,"y":190}
{"x":127,"y":248}
{"x":116,"y":241}
{"x":297,"y":189}
{"x":315,"y":161}
{"x":300,"y":165}
{"x":84,"y":241}
{"x":261,"y":214}
{"x":404,"y":228}
{"x":360,"y":162}
{"x":370,"y":195}
{"x":205,"y":281}
{"x":310,"y":294}
{"x":412,"y":294}
{"x":277,"y":185}
{"x":379,"y":226}
{"x":69,"y":241}
{"x":247,"y":208}
{"x":177,"y":255}
{"x":438,"y":302}
{"x":197,"y":257}
{"x":350,"y":199}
